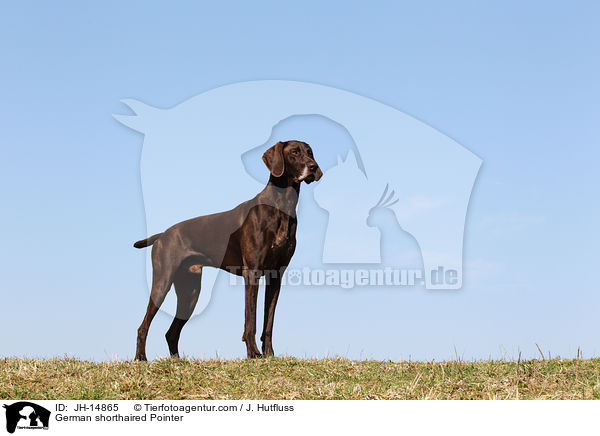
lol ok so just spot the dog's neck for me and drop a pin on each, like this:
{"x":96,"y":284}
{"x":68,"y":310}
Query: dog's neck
{"x":282,"y":193}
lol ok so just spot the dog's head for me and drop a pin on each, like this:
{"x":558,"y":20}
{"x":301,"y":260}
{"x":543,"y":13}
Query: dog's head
{"x":293,"y":158}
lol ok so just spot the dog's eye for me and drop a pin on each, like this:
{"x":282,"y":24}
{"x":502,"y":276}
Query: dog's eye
{"x":296,"y":152}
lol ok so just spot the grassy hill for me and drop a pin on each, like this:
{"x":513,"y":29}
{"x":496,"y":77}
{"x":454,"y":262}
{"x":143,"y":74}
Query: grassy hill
{"x":291,"y":378}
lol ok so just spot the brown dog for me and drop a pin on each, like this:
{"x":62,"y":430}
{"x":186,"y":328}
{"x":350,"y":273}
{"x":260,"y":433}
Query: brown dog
{"x":256,"y":238}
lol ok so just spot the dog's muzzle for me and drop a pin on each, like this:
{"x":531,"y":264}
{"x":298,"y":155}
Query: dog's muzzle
{"x":310,"y":175}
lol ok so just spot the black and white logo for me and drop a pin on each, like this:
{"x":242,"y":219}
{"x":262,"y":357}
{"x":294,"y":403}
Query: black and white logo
{"x":26,"y":415}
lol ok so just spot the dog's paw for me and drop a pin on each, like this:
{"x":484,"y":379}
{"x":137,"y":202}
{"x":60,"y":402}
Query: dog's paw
{"x":254,"y":355}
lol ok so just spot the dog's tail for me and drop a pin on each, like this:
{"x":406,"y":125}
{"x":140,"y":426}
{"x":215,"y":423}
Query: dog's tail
{"x":147,"y":242}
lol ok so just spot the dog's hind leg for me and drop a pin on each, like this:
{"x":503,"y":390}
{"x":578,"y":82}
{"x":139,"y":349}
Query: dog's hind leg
{"x":162,"y":279}
{"x":187,"y":287}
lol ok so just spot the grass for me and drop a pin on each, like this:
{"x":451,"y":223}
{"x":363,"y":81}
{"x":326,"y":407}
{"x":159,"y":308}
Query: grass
{"x":293,"y":379}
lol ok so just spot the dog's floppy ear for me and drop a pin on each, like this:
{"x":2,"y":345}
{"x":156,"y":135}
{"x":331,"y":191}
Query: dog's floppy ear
{"x":273,"y":159}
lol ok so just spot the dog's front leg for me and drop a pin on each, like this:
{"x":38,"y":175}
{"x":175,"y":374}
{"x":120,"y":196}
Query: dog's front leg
{"x":251,"y":278}
{"x":271,"y":294}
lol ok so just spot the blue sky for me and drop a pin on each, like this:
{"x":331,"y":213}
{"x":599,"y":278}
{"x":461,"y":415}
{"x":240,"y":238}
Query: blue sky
{"x":514,"y":83}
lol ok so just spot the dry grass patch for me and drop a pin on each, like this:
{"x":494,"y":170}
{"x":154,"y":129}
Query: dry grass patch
{"x":290,"y":378}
